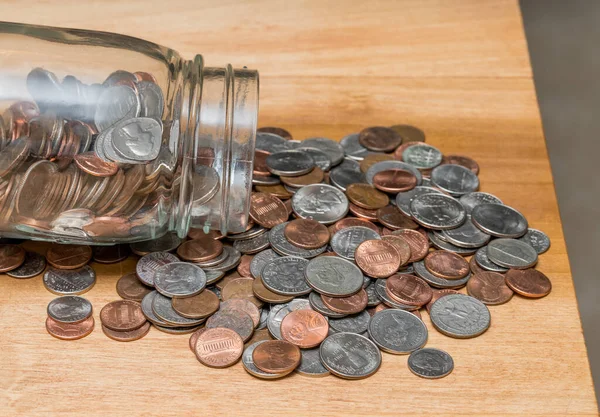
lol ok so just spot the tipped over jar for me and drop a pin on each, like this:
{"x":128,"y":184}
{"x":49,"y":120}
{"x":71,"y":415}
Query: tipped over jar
{"x":105,"y":138}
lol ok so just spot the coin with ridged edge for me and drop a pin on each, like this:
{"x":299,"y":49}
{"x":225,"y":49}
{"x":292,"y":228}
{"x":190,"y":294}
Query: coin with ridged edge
{"x":350,"y":356}
{"x":397,"y":331}
{"x":460,"y":316}
{"x":430,"y":363}
{"x":332,"y":276}
{"x":285,"y":276}
{"x":69,"y":309}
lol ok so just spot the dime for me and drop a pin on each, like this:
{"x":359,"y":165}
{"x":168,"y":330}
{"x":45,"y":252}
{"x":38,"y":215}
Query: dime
{"x":537,"y":239}
{"x":466,"y":235}
{"x":129,"y":287}
{"x":290,"y":163}
{"x":484,"y":262}
{"x":437,"y":211}
{"x":333,"y":149}
{"x":33,"y":265}
{"x":489,"y":287}
{"x":471,"y":200}
{"x":321,"y":202}
{"x":456,"y":180}
{"x":200,"y":250}
{"x":122,"y":315}
{"x":166,"y":243}
{"x":391,"y":216}
{"x":419,"y":245}
{"x":397,"y":331}
{"x":377,"y":258}
{"x":499,"y":220}
{"x":69,"y":309}
{"x":350,"y":356}
{"x":198,"y":306}
{"x":356,"y":323}
{"x":267,"y":210}
{"x":236,"y":320}
{"x":310,"y":364}
{"x":162,"y":307}
{"x":69,"y":282}
{"x":394,"y":180}
{"x":430,"y":363}
{"x":260,"y":260}
{"x":219,"y":347}
{"x":306,"y":233}
{"x":408,"y":289}
{"x":511,"y":253}
{"x":347,"y":305}
{"x":529,"y":283}
{"x":242,"y":305}
{"x":283,"y":247}
{"x":285,"y":276}
{"x":460,"y":316}
{"x":437,"y":294}
{"x":304,"y":328}
{"x":276,"y":356}
{"x":333,"y":276}
{"x":127,"y":336}
{"x":276,"y":131}
{"x":179,"y":280}
{"x":68,"y":256}
{"x":149,"y":264}
{"x":345,"y":242}
{"x":447,"y":265}
{"x":422,"y":272}
{"x":69,"y":331}
{"x":240,"y":288}
{"x":251,"y":368}
{"x":252,"y":245}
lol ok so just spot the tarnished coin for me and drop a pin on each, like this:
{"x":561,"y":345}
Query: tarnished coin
{"x":467,"y":235}
{"x":276,"y":356}
{"x":404,"y":199}
{"x":162,"y":307}
{"x":166,"y":243}
{"x":244,"y":267}
{"x":321,"y":202}
{"x":355,"y":323}
{"x":333,"y":149}
{"x":68,"y":256}
{"x":511,"y":253}
{"x":366,"y":196}
{"x":290,"y":163}
{"x":482,"y":260}
{"x":282,"y":246}
{"x":219,"y":347}
{"x":419,"y":245}
{"x":240,"y":288}
{"x":447,"y":265}
{"x":33,"y":265}
{"x":267,"y":210}
{"x":279,"y":311}
{"x":460,"y":316}
{"x":390,"y":216}
{"x":397,"y":331}
{"x":70,"y":331}
{"x":345,"y":241}
{"x":110,"y":254}
{"x":149,"y":264}
{"x":69,"y":282}
{"x":537,"y":239}
{"x":122,"y":315}
{"x":379,"y":139}
{"x":347,"y":305}
{"x":263,"y":293}
{"x":437,"y":211}
{"x":179,"y":280}
{"x":279,"y":131}
{"x":285,"y":276}
{"x":489,"y":288}
{"x":69,"y":309}
{"x":241,"y":304}
{"x":409,"y":133}
{"x":251,"y":368}
{"x":422,"y":156}
{"x":408,"y":289}
{"x":198,"y":306}
{"x":310,"y":364}
{"x":422,"y":272}
{"x":316,"y":303}
{"x":430,"y":363}
{"x":200,"y":250}
{"x":333,"y":276}
{"x":304,"y":328}
{"x":307,"y":234}
{"x":499,"y":220}
{"x":529,"y":283}
{"x":471,"y":200}
{"x":260,"y":260}
{"x":350,"y":356}
{"x":236,"y":320}
{"x":128,"y":336}
{"x":377,"y":258}
{"x":456,"y":180}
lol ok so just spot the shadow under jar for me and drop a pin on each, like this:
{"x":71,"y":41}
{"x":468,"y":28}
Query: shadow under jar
{"x":106,"y":138}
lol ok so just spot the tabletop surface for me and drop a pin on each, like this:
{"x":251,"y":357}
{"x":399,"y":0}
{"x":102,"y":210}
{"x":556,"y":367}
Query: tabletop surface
{"x":461,"y":72}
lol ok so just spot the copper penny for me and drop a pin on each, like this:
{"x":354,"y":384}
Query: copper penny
{"x":489,"y":288}
{"x":194,"y":338}
{"x":129,"y":336}
{"x":350,"y":222}
{"x":267,"y":210}
{"x":377,"y":258}
{"x":400,"y":150}
{"x":276,"y":131}
{"x":90,"y":163}
{"x":129,"y":287}
{"x":475,"y":269}
{"x":372,"y":159}
{"x":418,"y":242}
{"x":437,"y":294}
{"x":219,"y":347}
{"x":196,"y":307}
{"x":347,"y":305}
{"x":529,"y":283}
{"x":68,"y":256}
{"x":278,"y":191}
{"x":11,"y":257}
{"x":244,"y":306}
{"x":244,"y":267}
{"x":367,"y":197}
{"x":391,"y":216}
{"x":122,"y":315}
{"x":240,"y":288}
{"x":304,"y":328}
{"x":307,"y":234}
{"x":276,"y":356}
{"x":313,"y":177}
{"x":446,"y":265}
{"x":379,"y":139}
{"x":408,"y":289}
{"x":260,"y":163}
{"x":263,"y":293}
{"x":200,"y":250}
{"x":401,"y":246}
{"x":464,"y":161}
{"x":70,"y":331}
{"x":394,"y":180}
{"x":228,"y":278}
{"x":363,"y":213}
{"x":108,"y":226}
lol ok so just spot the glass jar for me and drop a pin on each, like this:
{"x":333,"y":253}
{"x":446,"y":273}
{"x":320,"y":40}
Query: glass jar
{"x":106,"y":138}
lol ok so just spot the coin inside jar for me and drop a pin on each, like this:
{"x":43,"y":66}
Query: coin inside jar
{"x":306,"y":233}
{"x":304,"y":328}
{"x":276,"y":356}
{"x":68,"y":256}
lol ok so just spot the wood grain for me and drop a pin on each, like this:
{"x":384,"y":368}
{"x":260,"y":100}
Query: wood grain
{"x":457,"y":69}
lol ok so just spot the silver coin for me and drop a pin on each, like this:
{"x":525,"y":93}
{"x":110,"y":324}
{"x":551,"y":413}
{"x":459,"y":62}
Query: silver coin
{"x":260,"y":260}
{"x":511,"y":253}
{"x":176,"y":329}
{"x":283,"y":247}
{"x":291,"y":190}
{"x":310,"y":364}
{"x":285,"y":276}
{"x":345,"y":241}
{"x":456,"y":180}
{"x":271,"y":142}
{"x":467,"y":235}
{"x":481,"y":258}
{"x":499,"y":220}
{"x":137,"y":139}
{"x":537,"y":239}
{"x":69,"y":282}
{"x":163,"y":309}
{"x":215,"y":290}
{"x":387,"y":165}
{"x":437,"y":211}
{"x":351,"y":164}
{"x":333,"y":149}
{"x":321,"y":202}
{"x":403,"y":199}
{"x":33,"y":265}
{"x":265,"y":180}
{"x":437,"y":240}
{"x":179,"y":280}
{"x":149,"y":313}
{"x":397,"y":331}
{"x":320,"y":158}
{"x":238,"y":321}
{"x":115,"y":104}
{"x":471,"y":200}
{"x":422,"y":272}
{"x":248,"y":234}
{"x":352,"y":147}
{"x":460,"y":316}
{"x":231,"y":260}
{"x":333,"y":276}
{"x":69,"y":309}
{"x":149,"y":264}
{"x":316,"y":303}
{"x":374,"y":299}
{"x":264,"y":316}
{"x":387,"y":300}
{"x":205,"y":184}
{"x":214,"y":261}
{"x":350,"y":356}
{"x":342,"y":177}
{"x":290,"y":163}
{"x":430,"y":363}
{"x":213,"y":276}
{"x":279,"y":311}
{"x":152,"y":102}
{"x":166,"y":243}
{"x":251,"y":368}
{"x":44,"y":87}
{"x":422,"y":156}
{"x":252,"y":245}
{"x":355,"y":323}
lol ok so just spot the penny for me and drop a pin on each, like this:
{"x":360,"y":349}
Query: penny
{"x":333,"y":276}
{"x":307,"y":234}
{"x":285,"y":276}
{"x":244,"y":267}
{"x":437,"y":294}
{"x":437,"y":211}
{"x":91,"y":164}
{"x":463,"y":161}
{"x":252,"y":245}
{"x":276,"y":356}
{"x":240,"y":288}
{"x":316,"y":303}
{"x":290,"y":163}
{"x":489,"y":288}
{"x":499,"y":220}
{"x":422,"y":156}
{"x":69,"y":309}
{"x":283,"y":247}
{"x":333,"y":149}
{"x":162,"y":307}
{"x":350,"y":356}
{"x":274,"y":189}
{"x":260,"y":163}
{"x":127,"y":336}
{"x":195,"y":233}
{"x":404,"y":199}
{"x":200,"y":250}
{"x":219,"y":347}
{"x":391,"y":216}
{"x":377,"y":258}
{"x":122,"y":315}
{"x":482,"y":260}
{"x":409,"y":133}
{"x":474,"y":267}
{"x":401,"y":245}
{"x":315,"y":176}
{"x":350,"y":222}
{"x":242,"y":305}
{"x":347,"y":305}
{"x":263,"y":293}
{"x":69,"y":282}
{"x":345,"y":242}
{"x":304,"y":328}
{"x":379,"y":139}
{"x":372,"y":159}
{"x":460,"y":316}
{"x":260,"y":260}
{"x":110,"y":254}
{"x":129,"y":287}
{"x":227,"y":279}
{"x":363,"y":213}
{"x":310,"y":364}
{"x":251,"y":368}
{"x":69,"y":331}
{"x":529,"y":283}
{"x":68,"y":256}
{"x":471,"y":200}
{"x":366,"y":196}
{"x":321,"y":202}
{"x":355,"y":323}
{"x":267,"y":210}
{"x":394,"y":180}
{"x":276,"y":130}
{"x":166,"y":243}
{"x":194,"y":338}
{"x":397,"y":331}
{"x":537,"y":239}
{"x":149,"y":264}
{"x":197,"y":307}
{"x":511,"y":253}
{"x":33,"y":265}
{"x":419,"y":245}
{"x":456,"y":180}
{"x":430,"y":363}
{"x":447,"y":265}
{"x":236,"y":320}
{"x":422,"y":272}
{"x":408,"y":289}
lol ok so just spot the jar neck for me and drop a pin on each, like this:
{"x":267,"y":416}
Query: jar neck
{"x":217,"y":110}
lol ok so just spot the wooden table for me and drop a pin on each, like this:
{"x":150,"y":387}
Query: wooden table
{"x":457,"y":69}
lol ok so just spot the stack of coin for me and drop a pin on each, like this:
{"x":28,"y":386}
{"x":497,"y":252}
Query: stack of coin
{"x":69,"y":317}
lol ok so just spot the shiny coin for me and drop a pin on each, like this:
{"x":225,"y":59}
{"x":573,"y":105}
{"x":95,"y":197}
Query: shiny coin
{"x":447,"y":265}
{"x":404,"y":199}
{"x":122,"y":315}
{"x":320,"y":158}
{"x":430,"y":363}
{"x":149,"y":264}
{"x":283,"y":247}
{"x":134,"y":140}
{"x":511,"y":253}
{"x":363,"y":213}
{"x":216,"y":261}
{"x":377,"y":258}
{"x":251,"y":368}
{"x":340,"y":354}
{"x":422,"y":156}
{"x":198,"y":306}
{"x":484,"y":262}
{"x":70,"y":331}
{"x":307,"y":234}
{"x":471,"y":200}
{"x":200,"y":250}
{"x":489,"y":288}
{"x":499,"y":220}
{"x":68,"y":256}
{"x":276,"y":131}
{"x":110,"y":254}
{"x":466,"y":235}
{"x":304,"y":328}
{"x":253,"y":231}
{"x":350,"y":222}
{"x":69,"y":309}
{"x":285,"y":276}
{"x":373,"y":299}
{"x":460,"y":316}
{"x":176,"y":330}
{"x":316,"y":303}
{"x":419,"y":245}
{"x":529,"y":283}
{"x":379,"y":139}
{"x":437,"y":211}
{"x":401,"y":245}
{"x":310,"y":364}
{"x":397,"y":331}
{"x":408,"y":289}
{"x":260,"y":260}
{"x":422,"y":272}
{"x":33,"y":265}
{"x":90,"y":163}
{"x":345,"y":241}
{"x":263,"y":293}
{"x":333,"y":149}
{"x":219,"y":347}
{"x":129,"y":287}
{"x":162,"y":307}
{"x":179,"y":280}
{"x":271,"y":142}
{"x":276,"y":356}
{"x":241,"y":304}
{"x":166,"y":243}
{"x":194,"y":338}
{"x":387,"y":165}
{"x":290,"y":163}
{"x":356,"y":323}
{"x":537,"y":239}
{"x":394,"y":180}
{"x":236,"y":320}
{"x":333,"y":276}
{"x":267,"y":210}
{"x":456,"y":180}
{"x":252,"y":245}
{"x":321,"y":202}
{"x":146,"y":304}
{"x":69,"y":282}
{"x":366,"y":196}
{"x":347,"y":305}
{"x":127,"y":336}
{"x":278,"y":313}
{"x":116,"y":103}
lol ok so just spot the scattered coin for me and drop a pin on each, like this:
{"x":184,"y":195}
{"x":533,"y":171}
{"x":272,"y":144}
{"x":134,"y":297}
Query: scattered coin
{"x":197,"y":307}
{"x":200,"y":250}
{"x":242,"y":305}
{"x":290,"y":163}
{"x":529,"y":283}
{"x":347,"y":305}
{"x":129,"y":287}
{"x":149,"y":264}
{"x":460,"y":316}
{"x":355,"y":323}
{"x":252,"y":245}
{"x":276,"y":356}
{"x":345,"y":242}
{"x":397,"y":331}
{"x":409,"y":133}
{"x":69,"y":282}
{"x":70,"y":331}
{"x":537,"y":239}
{"x":422,"y":156}
{"x":276,"y":131}
{"x":310,"y":364}
{"x":489,"y":287}
{"x":408,"y":289}
{"x":236,"y":320}
{"x":377,"y":258}
{"x":122,"y":315}
{"x":127,"y":336}
{"x":219,"y":347}
{"x":333,"y":276}
{"x":482,"y":260}
{"x":366,"y":196}
{"x":419,"y":246}
{"x":422,"y":272}
{"x":11,"y":257}
{"x":321,"y":202}
{"x":179,"y":280}
{"x":68,"y":256}
{"x":437,"y":294}
{"x":350,"y":356}
{"x":33,"y":265}
{"x":278,"y":313}
{"x":267,"y":210}
{"x":250,"y":367}
{"x":110,"y":254}
{"x":380,"y":139}
{"x":430,"y":363}
{"x":194,"y":338}
{"x":285,"y":276}
{"x":306,"y":233}
{"x":162,"y":307}
{"x":283,"y":247}
{"x":394,"y":180}
{"x":456,"y":180}
{"x":69,"y":309}
{"x":447,"y":265}
{"x":304,"y":328}
{"x":470,"y":200}
{"x":437,"y":211}
{"x":499,"y":220}
{"x":466,"y":235}
{"x":390,"y":216}
{"x":511,"y":253}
